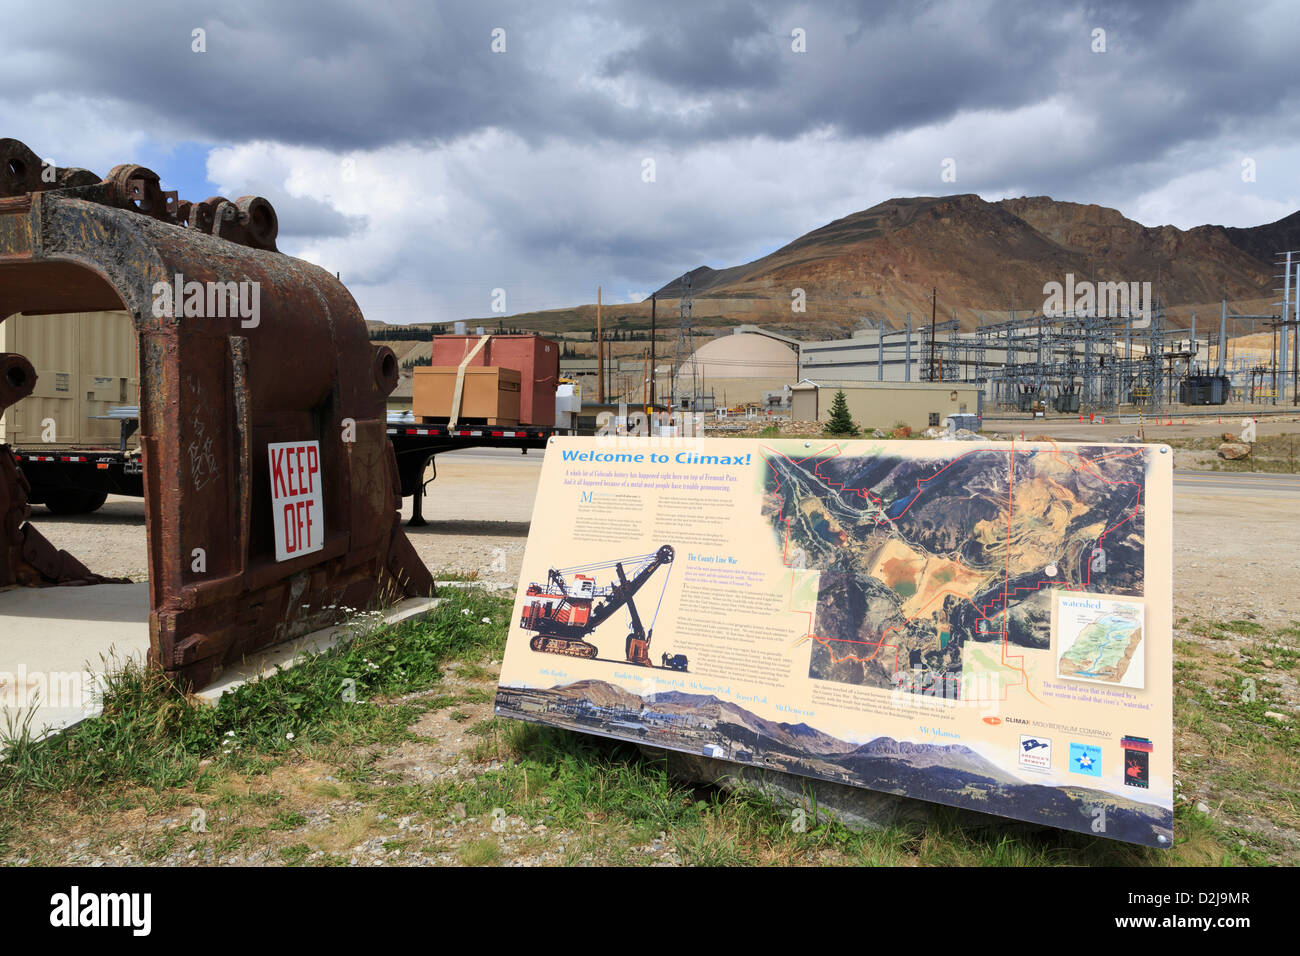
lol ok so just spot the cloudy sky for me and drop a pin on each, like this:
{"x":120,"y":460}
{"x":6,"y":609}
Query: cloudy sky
{"x":434,"y":152}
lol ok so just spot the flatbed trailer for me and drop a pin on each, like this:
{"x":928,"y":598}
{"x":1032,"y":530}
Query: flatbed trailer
{"x":77,"y":480}
{"x":417,"y":444}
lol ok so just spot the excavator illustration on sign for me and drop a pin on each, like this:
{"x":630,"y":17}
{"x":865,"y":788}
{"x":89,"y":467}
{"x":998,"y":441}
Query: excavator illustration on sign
{"x":564,"y":611}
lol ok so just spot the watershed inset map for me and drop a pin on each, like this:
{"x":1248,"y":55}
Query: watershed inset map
{"x":1100,"y":640}
{"x":919,"y":556}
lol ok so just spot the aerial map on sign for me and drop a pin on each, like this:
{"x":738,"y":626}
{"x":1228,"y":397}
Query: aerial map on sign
{"x":923,"y":558}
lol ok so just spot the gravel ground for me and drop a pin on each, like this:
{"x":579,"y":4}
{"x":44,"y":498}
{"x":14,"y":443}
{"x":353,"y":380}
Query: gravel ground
{"x":1228,"y":546}
{"x":478,"y":510}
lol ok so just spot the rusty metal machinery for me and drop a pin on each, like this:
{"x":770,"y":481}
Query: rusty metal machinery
{"x":218,"y":384}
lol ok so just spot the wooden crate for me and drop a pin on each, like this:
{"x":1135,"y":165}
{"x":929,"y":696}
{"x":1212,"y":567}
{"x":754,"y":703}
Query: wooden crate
{"x":489,"y":394}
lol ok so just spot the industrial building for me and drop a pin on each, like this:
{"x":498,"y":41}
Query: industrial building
{"x":1112,"y":355}
{"x":1060,"y":363}
{"x":918,"y":405}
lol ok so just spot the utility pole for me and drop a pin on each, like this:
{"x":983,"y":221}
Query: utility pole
{"x":1284,"y":351}
{"x":685,"y":347}
{"x":1295,"y":339}
{"x":934,"y":299}
{"x":1223,"y":335}
{"x":880,"y":350}
{"x":907,"y":375}
{"x":600,"y":354}
{"x":652,"y":349}
{"x":1272,"y":357}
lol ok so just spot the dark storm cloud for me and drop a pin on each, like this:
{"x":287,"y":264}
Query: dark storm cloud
{"x":524,"y":169}
{"x":1171,"y":72}
{"x":703,"y":50}
{"x":866,"y":70}
{"x":356,"y":74}
{"x":334,"y":74}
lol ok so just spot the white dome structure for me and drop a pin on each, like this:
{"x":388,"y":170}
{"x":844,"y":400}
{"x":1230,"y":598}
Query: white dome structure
{"x":745,"y":367}
{"x":743,"y":355}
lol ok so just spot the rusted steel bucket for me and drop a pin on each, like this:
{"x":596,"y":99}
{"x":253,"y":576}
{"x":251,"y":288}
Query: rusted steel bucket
{"x":258,"y":350}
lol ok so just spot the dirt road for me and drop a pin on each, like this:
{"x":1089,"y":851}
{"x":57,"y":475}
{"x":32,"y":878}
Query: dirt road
{"x":478,"y":509}
{"x":1236,"y":536}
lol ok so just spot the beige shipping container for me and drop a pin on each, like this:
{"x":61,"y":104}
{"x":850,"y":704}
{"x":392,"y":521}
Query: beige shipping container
{"x":488,"y":393}
{"x":85,"y":364}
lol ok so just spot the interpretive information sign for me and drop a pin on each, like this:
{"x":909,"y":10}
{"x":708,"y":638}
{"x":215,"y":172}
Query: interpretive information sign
{"x":980,"y":624}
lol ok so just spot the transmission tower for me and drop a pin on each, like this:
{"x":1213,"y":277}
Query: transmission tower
{"x":951,"y":369}
{"x":686,"y":350}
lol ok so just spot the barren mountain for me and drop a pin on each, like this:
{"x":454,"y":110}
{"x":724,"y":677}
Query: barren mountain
{"x":1261,"y":242}
{"x":985,"y":258}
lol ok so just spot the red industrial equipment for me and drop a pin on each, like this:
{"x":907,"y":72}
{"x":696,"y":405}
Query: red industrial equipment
{"x":563,"y":612}
{"x":537,"y":360}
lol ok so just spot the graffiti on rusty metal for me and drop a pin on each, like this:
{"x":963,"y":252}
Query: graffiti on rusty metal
{"x":203,"y":464}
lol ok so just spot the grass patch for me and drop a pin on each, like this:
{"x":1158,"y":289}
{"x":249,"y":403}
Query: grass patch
{"x":1219,"y":630}
{"x":484,"y":852}
{"x":1231,"y":757}
{"x":475,"y":672}
{"x":295,"y":854}
{"x":455,"y":575}
{"x":151,"y":737}
{"x":156,"y":755}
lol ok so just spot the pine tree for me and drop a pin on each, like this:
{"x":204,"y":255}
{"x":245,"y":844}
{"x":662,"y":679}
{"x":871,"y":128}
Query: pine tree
{"x":840,"y":422}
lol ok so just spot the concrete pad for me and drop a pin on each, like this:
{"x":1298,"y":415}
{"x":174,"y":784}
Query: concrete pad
{"x":55,"y":645}
{"x":268,"y":662}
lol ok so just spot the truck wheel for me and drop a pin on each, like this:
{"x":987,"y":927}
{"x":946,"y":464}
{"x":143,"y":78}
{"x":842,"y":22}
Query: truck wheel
{"x":75,"y":502}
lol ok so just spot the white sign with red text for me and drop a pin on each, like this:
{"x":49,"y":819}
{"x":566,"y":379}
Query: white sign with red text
{"x":296,"y":508}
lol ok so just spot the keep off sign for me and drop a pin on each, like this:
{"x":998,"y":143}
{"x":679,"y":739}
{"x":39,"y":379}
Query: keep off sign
{"x":296,"y":508}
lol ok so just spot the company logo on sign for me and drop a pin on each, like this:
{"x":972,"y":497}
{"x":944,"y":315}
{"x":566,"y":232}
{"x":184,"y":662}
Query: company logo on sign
{"x":1085,"y":759}
{"x":1036,"y":753}
{"x":296,"y":508}
{"x":1137,"y":761}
